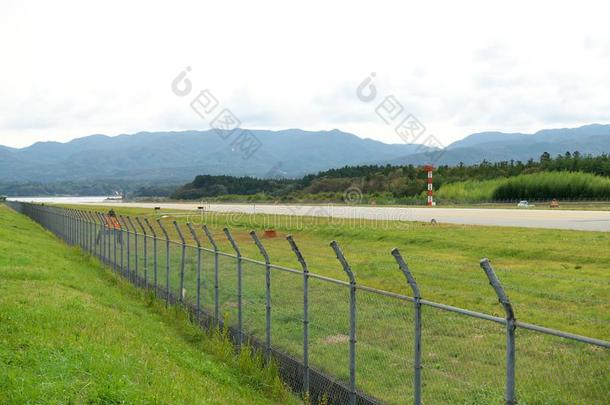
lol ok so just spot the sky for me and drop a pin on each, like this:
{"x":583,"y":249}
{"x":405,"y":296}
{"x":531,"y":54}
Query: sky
{"x":72,"y":68}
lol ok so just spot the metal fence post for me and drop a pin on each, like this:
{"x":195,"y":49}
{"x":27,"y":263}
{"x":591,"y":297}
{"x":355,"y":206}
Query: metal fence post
{"x":239,"y":288}
{"x":79,"y":221}
{"x":83,"y":230}
{"x":510,"y":331}
{"x":155,"y":265}
{"x":182,"y":260}
{"x":70,"y":227}
{"x":417,"y":366}
{"x":97,"y":233}
{"x":215,"y":246}
{"x":263,"y":251}
{"x":122,"y":243}
{"x":303,"y":263}
{"x":92,"y":228}
{"x":124,"y":223}
{"x":166,"y":262}
{"x":81,"y":224}
{"x":64,"y":226}
{"x":352,"y":321}
{"x":75,"y":230}
{"x":145,"y":251}
{"x":196,"y":239}
{"x":114,"y":248}
{"x":135,"y":246}
{"x":102,"y":237}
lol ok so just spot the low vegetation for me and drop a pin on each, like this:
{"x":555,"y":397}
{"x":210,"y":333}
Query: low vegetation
{"x":569,"y":176}
{"x":72,"y":332}
{"x":536,"y":186}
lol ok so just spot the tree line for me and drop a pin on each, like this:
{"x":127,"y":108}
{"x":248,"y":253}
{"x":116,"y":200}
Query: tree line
{"x":406,"y":181}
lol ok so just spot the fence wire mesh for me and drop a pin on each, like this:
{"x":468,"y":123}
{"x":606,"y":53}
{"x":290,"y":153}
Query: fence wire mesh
{"x":554,"y":370}
{"x":306,"y":330}
{"x":463,"y":363}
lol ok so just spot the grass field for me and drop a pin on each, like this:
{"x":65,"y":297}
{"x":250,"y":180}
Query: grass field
{"x":72,"y":332}
{"x":538,"y":186}
{"x":554,"y":278}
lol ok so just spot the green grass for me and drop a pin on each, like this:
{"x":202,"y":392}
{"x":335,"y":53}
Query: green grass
{"x":536,"y":186}
{"x":72,"y":332}
{"x":554,"y":278}
{"x":470,"y":190}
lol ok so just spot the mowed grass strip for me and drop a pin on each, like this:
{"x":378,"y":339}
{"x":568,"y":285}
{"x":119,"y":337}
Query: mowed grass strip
{"x":70,"y":331}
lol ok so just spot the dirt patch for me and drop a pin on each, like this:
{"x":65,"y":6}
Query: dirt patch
{"x":336,"y":339}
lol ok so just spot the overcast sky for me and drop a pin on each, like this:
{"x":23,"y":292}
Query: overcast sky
{"x":70,"y":69}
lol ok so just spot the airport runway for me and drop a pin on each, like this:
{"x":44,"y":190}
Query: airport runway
{"x":555,"y":219}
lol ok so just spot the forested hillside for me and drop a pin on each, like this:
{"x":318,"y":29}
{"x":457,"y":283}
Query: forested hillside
{"x":403,"y":183}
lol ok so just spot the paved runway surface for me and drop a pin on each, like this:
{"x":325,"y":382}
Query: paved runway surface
{"x":556,"y":219}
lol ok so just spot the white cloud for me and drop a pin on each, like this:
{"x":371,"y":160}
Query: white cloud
{"x":75,"y":68}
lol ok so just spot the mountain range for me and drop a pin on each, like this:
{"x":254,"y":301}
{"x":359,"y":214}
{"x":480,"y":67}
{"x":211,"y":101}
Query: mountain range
{"x":179,"y":156}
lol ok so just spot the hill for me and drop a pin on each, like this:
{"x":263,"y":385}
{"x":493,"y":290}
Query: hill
{"x":155,"y":161}
{"x":498,"y":146}
{"x":178,"y":156}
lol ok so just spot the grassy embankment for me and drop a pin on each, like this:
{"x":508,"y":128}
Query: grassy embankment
{"x":554,"y":278}
{"x":72,"y":332}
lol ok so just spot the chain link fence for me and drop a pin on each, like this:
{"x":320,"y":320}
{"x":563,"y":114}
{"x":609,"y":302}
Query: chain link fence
{"x":337,"y":341}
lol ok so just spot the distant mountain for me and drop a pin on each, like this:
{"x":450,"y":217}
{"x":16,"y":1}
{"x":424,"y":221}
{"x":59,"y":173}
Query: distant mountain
{"x":179,"y":156}
{"x":176,"y":157}
{"x":498,"y":146}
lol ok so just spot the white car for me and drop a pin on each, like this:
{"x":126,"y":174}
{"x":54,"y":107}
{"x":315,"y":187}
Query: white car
{"x":523,"y":204}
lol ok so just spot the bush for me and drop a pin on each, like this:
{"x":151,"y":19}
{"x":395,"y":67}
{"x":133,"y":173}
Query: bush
{"x":562,"y":185}
{"x":536,"y":186}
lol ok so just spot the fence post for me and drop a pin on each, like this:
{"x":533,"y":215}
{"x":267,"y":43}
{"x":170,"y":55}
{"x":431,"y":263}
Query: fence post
{"x":64,"y":225}
{"x":145,"y":251}
{"x":114,"y":240}
{"x":96,"y":231}
{"x":92,"y":229}
{"x":83,"y":230}
{"x":215,"y":246}
{"x":70,"y":226}
{"x":239,"y":288}
{"x":166,"y":262}
{"x":66,"y":220}
{"x":81,"y":233}
{"x":75,"y":225}
{"x":261,"y":248}
{"x":182,"y":260}
{"x":124,"y":223}
{"x":83,"y":239}
{"x":102,"y":236}
{"x":352,"y":321}
{"x":135,"y":246}
{"x":122,"y":243}
{"x":303,"y":263}
{"x":154,"y":234}
{"x":93,"y":232}
{"x":417,"y":320}
{"x":79,"y":221}
{"x":196,"y":239}
{"x":510,"y":330}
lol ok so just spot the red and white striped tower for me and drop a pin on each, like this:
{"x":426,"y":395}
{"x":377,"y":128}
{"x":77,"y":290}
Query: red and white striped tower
{"x":429,"y":169}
